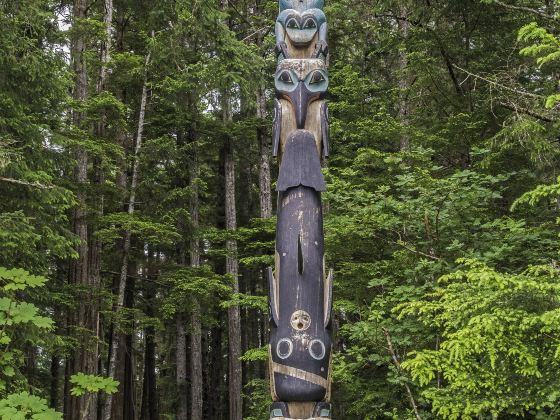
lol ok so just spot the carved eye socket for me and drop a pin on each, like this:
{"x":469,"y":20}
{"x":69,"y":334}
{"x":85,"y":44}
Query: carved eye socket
{"x":285,"y":77}
{"x":310,"y":24}
{"x":292,"y":24}
{"x":317,"y":78}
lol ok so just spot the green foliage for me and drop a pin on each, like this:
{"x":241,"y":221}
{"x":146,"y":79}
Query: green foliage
{"x":499,"y":351}
{"x":18,"y":319}
{"x":24,"y":406}
{"x":158,"y":233}
{"x":84,"y":384}
{"x":545,"y":49}
{"x":258,"y":395}
{"x":253,"y":355}
{"x":187,"y":283}
{"x":474,"y":184}
{"x":540,"y":193}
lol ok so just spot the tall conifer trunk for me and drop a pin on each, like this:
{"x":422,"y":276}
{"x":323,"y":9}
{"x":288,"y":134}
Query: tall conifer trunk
{"x":404,"y":80}
{"x":115,"y":340}
{"x":84,"y":317}
{"x":232,"y":269}
{"x":196,"y":325}
{"x":181,"y":366}
{"x":235,"y":375}
{"x":150,"y":403}
{"x":265,"y":194}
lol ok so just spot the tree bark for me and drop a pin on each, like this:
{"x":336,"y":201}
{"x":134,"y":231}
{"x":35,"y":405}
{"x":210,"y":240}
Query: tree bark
{"x":232,"y":266}
{"x":114,"y":347}
{"x":232,"y":269}
{"x":404,"y":80}
{"x":105,"y":45}
{"x":150,"y":403}
{"x":181,"y":367}
{"x":124,"y":399}
{"x":196,"y":325}
{"x":235,"y":374}
{"x":84,"y":316}
{"x":265,"y":195}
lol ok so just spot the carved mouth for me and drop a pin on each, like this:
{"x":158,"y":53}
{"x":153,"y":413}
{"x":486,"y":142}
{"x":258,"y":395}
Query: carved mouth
{"x":301,"y":37}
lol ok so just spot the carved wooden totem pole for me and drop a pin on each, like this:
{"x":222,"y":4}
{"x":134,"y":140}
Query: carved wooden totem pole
{"x":300,"y":291}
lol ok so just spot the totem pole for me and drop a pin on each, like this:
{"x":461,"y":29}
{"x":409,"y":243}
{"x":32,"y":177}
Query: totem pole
{"x":300,"y":292}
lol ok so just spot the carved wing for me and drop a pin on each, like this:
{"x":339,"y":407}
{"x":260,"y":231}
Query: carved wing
{"x":328,"y":299}
{"x":273,"y":298}
{"x":325,"y":131}
{"x":277,"y":127}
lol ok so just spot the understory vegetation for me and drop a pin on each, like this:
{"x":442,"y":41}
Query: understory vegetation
{"x":137,"y":208}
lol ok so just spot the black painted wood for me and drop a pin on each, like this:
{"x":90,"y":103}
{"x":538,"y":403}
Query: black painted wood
{"x":300,"y":163}
{"x":300,"y":295}
{"x":307,"y":347}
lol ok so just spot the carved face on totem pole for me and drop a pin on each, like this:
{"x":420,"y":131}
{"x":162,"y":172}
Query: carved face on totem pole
{"x":301,"y":5}
{"x":301,"y":86}
{"x":302,"y":34}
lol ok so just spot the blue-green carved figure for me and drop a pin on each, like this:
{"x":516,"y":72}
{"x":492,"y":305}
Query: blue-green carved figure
{"x":302,"y":34}
{"x":301,"y":5}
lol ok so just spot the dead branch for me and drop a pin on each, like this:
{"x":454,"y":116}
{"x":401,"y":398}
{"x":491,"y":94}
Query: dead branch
{"x":399,"y":368}
{"x":526,"y":111}
{"x":524,"y":9}
{"x":494,"y":83}
{"x":27,"y":184}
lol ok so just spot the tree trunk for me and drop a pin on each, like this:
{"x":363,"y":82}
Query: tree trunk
{"x":84,"y":316}
{"x":235,"y":375}
{"x":105,"y":45}
{"x":404,"y":80}
{"x":265,"y":203}
{"x":196,"y":325}
{"x":181,"y":367}
{"x":150,"y":403}
{"x":114,"y":347}
{"x":265,"y":194}
{"x":123,"y":400}
{"x":216,"y":408}
{"x":55,"y":374}
{"x":232,"y":268}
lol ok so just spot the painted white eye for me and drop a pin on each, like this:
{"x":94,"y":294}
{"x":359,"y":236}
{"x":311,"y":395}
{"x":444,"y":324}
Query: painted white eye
{"x":310,"y":24}
{"x":284,"y":348}
{"x":292,"y":24}
{"x":317,"y":349}
{"x":317,"y":78}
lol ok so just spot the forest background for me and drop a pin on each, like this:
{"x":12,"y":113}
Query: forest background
{"x":136,"y":218}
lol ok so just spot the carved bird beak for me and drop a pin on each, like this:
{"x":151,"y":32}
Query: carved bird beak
{"x":300,"y":98}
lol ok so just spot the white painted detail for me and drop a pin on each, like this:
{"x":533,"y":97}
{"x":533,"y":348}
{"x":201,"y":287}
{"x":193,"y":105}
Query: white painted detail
{"x":281,"y":355}
{"x":313,"y":354}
